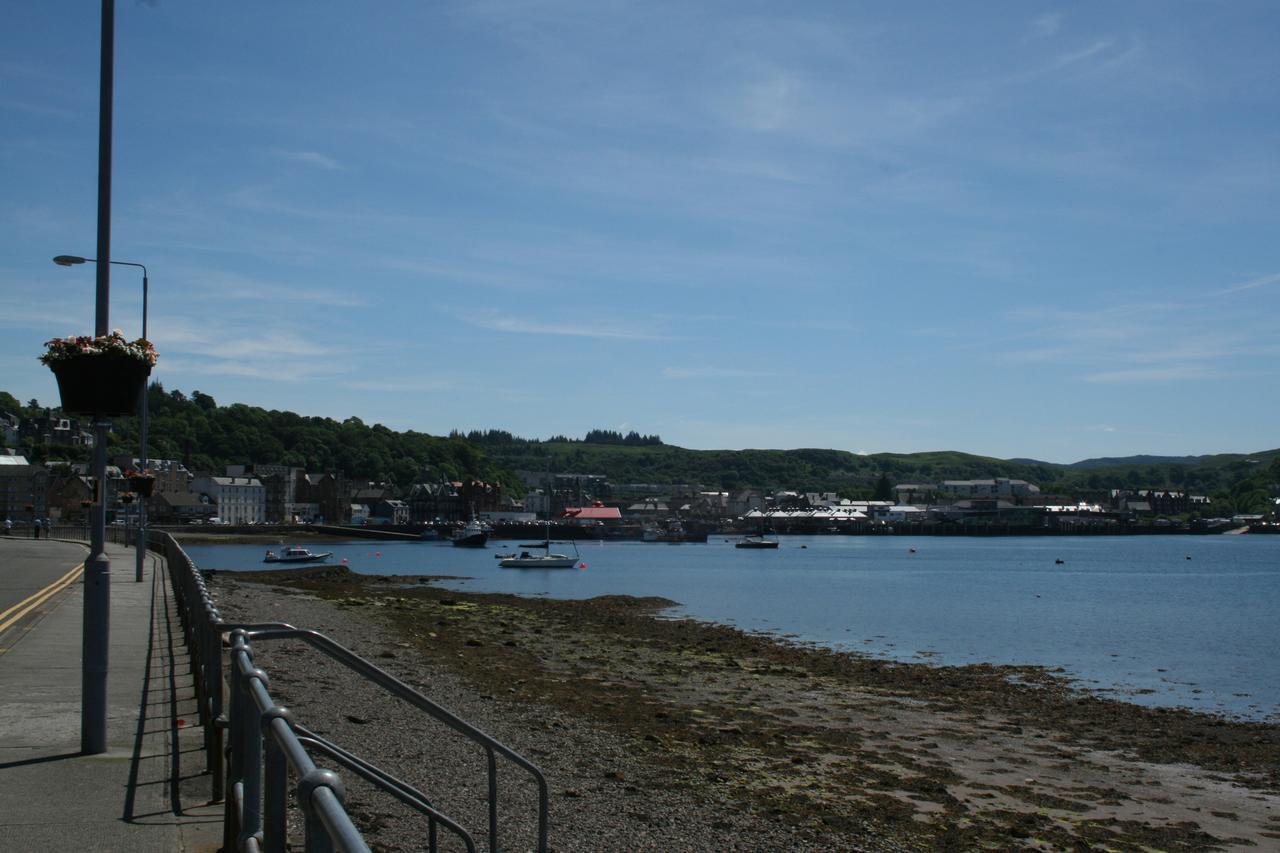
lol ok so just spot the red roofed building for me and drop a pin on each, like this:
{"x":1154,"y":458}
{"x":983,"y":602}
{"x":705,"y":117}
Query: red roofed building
{"x":596,"y":512}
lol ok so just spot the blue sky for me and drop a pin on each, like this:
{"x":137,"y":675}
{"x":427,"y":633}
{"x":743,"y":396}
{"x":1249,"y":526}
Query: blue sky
{"x":1021,"y":229}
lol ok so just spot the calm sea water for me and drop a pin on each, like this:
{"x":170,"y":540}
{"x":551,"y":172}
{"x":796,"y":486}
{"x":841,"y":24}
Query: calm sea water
{"x":1159,"y":620}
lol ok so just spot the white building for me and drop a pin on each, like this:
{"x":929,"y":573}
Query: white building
{"x":1000,"y":487}
{"x":905,"y":513}
{"x":240,"y":500}
{"x":538,"y":503}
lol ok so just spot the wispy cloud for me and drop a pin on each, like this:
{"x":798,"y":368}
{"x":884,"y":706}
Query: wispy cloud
{"x":58,"y":321}
{"x":1262,"y":281}
{"x":826,"y":112}
{"x":1083,"y":54}
{"x":1171,"y":373}
{"x":222,"y":285}
{"x":590,"y":329}
{"x":713,"y":373}
{"x":225,"y":342}
{"x":1046,"y":25}
{"x":276,"y":371}
{"x":1102,"y":55}
{"x":487,"y":273}
{"x":309,"y":158}
{"x":395,"y":386}
{"x":1144,"y":342}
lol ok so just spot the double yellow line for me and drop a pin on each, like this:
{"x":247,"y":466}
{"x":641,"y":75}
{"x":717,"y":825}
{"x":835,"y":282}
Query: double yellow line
{"x":10,"y":617}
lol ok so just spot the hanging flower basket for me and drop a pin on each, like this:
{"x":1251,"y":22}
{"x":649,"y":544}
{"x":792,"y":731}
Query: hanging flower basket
{"x":142,"y":484}
{"x":100,"y":376}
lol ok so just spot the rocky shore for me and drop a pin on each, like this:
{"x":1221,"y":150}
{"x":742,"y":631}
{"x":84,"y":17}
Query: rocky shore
{"x":662,"y":734}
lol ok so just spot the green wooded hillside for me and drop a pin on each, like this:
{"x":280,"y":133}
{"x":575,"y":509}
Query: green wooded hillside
{"x":207,"y":436}
{"x":1245,"y":479}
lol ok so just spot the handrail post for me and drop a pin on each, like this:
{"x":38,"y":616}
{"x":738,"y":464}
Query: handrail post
{"x":275,"y":783}
{"x":251,"y":766}
{"x":211,"y":708}
{"x":310,"y":786}
{"x":265,"y":750}
{"x":235,"y":766}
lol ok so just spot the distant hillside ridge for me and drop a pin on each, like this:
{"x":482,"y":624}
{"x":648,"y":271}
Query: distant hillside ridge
{"x":208,"y":436}
{"x":855,"y":475}
{"x":1113,"y":461}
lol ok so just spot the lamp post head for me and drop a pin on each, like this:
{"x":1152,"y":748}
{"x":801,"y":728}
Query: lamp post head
{"x":68,"y":260}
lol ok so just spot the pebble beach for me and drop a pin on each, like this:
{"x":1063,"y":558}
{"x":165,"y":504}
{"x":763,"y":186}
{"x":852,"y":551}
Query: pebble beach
{"x":672,"y":734}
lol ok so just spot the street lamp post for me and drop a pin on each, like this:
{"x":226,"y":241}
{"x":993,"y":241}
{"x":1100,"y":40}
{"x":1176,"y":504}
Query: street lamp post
{"x":140,"y":555}
{"x":97,"y":568}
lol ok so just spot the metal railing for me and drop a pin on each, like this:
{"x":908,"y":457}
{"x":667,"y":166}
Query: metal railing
{"x":265,"y":745}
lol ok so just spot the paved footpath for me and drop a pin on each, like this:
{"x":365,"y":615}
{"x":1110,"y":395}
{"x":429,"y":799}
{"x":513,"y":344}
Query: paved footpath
{"x":148,"y":791}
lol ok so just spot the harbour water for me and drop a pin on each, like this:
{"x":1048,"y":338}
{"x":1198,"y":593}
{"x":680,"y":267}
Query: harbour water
{"x":1189,"y":621}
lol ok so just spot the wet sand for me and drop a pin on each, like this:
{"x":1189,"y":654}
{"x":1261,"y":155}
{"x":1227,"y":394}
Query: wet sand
{"x":824,"y":750}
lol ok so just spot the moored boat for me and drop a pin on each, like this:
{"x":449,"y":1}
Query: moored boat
{"x":296,"y":554}
{"x":545,"y":560}
{"x":756,"y":540}
{"x":671,"y":530}
{"x":474,"y":535}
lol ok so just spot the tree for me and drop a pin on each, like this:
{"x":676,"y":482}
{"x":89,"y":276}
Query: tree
{"x":883,"y":490}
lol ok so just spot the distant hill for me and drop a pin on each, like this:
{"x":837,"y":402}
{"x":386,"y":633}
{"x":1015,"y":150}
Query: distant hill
{"x":1116,"y":461}
{"x":806,"y":469}
{"x":208,"y":436}
{"x":854,"y":475}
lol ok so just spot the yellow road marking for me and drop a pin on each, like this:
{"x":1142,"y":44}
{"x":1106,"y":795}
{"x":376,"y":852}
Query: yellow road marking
{"x":9,"y":617}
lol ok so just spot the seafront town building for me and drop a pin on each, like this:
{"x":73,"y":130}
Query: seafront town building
{"x":999,"y":487}
{"x":280,"y":483}
{"x":453,"y":501}
{"x":180,"y":508}
{"x":9,"y":430}
{"x":240,"y":500}
{"x":23,"y":489}
{"x":536,"y":502}
{"x":1158,"y":502}
{"x":272,"y":493}
{"x":70,"y":495}
{"x":171,"y":476}
{"x":54,"y":429}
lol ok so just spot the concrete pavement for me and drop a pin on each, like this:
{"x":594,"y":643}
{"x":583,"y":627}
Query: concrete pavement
{"x":148,"y":791}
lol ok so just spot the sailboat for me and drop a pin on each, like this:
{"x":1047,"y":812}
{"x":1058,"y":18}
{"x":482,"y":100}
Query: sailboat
{"x":756,"y":540}
{"x":545,"y":560}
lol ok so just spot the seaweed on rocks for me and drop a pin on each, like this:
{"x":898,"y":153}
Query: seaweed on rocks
{"x":682,"y":735}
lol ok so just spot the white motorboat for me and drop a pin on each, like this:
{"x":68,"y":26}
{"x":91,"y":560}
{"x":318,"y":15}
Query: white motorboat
{"x":296,"y":554}
{"x":756,"y":540}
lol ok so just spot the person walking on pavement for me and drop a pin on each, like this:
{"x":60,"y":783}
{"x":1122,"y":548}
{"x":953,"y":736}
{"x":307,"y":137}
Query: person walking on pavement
{"x":8,"y":527}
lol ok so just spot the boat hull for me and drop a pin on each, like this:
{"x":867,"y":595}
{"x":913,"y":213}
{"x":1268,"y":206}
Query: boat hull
{"x":313,"y":558}
{"x":473,"y":540}
{"x":553,"y":562}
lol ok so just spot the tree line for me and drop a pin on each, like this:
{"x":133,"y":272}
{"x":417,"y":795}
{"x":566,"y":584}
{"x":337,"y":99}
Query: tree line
{"x":206,"y":436}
